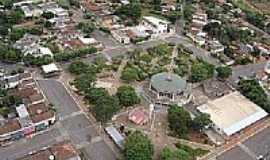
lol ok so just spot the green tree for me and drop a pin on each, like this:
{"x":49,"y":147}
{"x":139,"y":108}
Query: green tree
{"x":47,"y":15}
{"x":179,"y":120}
{"x":130,"y":74}
{"x":105,"y":108}
{"x":201,"y":121}
{"x":8,"y":54}
{"x":138,"y":147}
{"x":93,"y":95}
{"x":15,"y":16}
{"x":131,"y":11}
{"x":86,"y":28}
{"x":224,"y":72}
{"x":85,"y":82}
{"x":178,"y":154}
{"x":201,"y":71}
{"x":16,"y":34}
{"x":253,"y":91}
{"x":77,"y":67}
{"x":157,"y":4}
{"x":127,"y":96}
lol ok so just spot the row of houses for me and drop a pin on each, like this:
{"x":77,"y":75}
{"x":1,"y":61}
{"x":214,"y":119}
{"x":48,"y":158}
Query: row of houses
{"x":61,"y":15}
{"x":70,"y":38}
{"x":149,"y":27}
{"x":30,"y":116}
{"x":60,"y":151}
{"x":30,"y":45}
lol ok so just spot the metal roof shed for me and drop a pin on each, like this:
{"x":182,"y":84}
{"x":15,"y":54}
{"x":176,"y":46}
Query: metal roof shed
{"x":116,"y":136}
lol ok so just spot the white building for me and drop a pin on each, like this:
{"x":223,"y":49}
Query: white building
{"x":121,"y":36}
{"x":155,"y":25}
{"x":30,"y":11}
{"x":232,"y":113}
{"x":50,"y":69}
{"x":216,"y":47}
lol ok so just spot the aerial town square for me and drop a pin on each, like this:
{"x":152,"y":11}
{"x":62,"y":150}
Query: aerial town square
{"x":134,"y":79}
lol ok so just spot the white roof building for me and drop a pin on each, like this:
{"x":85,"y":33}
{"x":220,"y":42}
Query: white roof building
{"x":232,"y":113}
{"x":22,"y":111}
{"x":156,"y":25}
{"x":50,"y":68}
{"x":45,"y":51}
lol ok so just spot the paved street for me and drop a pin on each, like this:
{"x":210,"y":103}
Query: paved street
{"x":246,"y":70}
{"x":72,"y":125}
{"x":250,"y":149}
{"x":107,"y":40}
{"x":75,"y":124}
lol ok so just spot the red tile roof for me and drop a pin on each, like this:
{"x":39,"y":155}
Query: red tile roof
{"x":63,"y":151}
{"x":10,"y":126}
{"x":43,"y":116}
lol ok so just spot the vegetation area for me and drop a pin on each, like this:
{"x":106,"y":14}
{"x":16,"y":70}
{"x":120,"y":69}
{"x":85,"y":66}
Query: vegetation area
{"x":69,"y":55}
{"x":252,"y":15}
{"x":181,"y":123}
{"x":224,"y":72}
{"x":138,"y":147}
{"x":143,"y":64}
{"x":252,"y":89}
{"x":86,"y":28}
{"x":182,"y":152}
{"x":8,"y":102}
{"x":131,"y":12}
{"x":103,"y":105}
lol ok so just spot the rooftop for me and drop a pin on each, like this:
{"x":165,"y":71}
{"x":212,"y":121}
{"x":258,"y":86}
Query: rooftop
{"x":60,"y":151}
{"x":232,"y":112}
{"x":22,"y":111}
{"x":50,"y":68}
{"x":37,"y":109}
{"x":167,"y":82}
{"x":63,"y":151}
{"x":155,"y":21}
{"x":42,"y":116}
{"x":10,"y":126}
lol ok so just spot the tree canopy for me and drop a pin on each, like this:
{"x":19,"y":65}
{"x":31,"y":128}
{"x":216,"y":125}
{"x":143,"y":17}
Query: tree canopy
{"x":105,"y":108}
{"x":77,"y":67}
{"x":138,"y":147}
{"x":177,"y":154}
{"x":130,"y":11}
{"x":201,"y":71}
{"x":224,"y":72}
{"x":127,"y":96}
{"x":179,"y":120}
{"x":253,"y":91}
{"x":201,"y":121}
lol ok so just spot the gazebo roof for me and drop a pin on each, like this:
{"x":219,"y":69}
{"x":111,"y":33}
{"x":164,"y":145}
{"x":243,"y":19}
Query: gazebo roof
{"x":168,"y":83}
